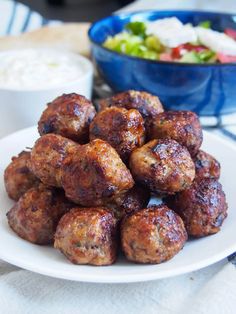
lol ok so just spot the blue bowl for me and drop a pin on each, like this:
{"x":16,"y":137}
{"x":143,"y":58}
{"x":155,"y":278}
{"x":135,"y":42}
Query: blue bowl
{"x":207,"y":89}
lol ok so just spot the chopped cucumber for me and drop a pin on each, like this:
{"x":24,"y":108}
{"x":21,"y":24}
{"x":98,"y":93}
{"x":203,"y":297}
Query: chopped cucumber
{"x":207,"y":55}
{"x":137,"y":28}
{"x":190,"y":57}
{"x":153,"y":43}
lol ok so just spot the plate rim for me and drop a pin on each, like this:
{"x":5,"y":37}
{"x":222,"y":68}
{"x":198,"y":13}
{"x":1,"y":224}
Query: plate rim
{"x":114,"y":279}
{"x":117,"y":278}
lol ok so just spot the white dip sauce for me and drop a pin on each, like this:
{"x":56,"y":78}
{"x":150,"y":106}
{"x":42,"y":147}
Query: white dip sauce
{"x":38,"y":69}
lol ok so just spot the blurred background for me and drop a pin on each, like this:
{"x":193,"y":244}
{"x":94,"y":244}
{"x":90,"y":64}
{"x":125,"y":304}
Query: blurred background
{"x":92,"y":10}
{"x":75,"y":10}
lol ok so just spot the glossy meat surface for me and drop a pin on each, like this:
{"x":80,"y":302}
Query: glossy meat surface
{"x":182,"y":126}
{"x":68,"y":115}
{"x":87,"y":236}
{"x":206,"y":166}
{"x":148,"y":105}
{"x":202,"y":207}
{"x":152,"y":235}
{"x":122,"y":129}
{"x":133,"y":200}
{"x":17,"y":176}
{"x":35,"y":216}
{"x":94,"y":174}
{"x":47,"y":156}
{"x":164,"y":166}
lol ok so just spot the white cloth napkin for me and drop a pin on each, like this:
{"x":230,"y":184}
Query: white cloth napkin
{"x":16,"y":18}
{"x":211,"y":290}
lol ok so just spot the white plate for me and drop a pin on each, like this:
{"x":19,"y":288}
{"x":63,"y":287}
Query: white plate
{"x":48,"y":261}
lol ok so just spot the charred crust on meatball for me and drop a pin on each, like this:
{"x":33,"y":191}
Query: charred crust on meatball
{"x":17,"y":176}
{"x":164,"y":166}
{"x":35,"y":216}
{"x":182,"y":126}
{"x":148,"y":105}
{"x":133,"y":200}
{"x":68,"y":115}
{"x":202,"y":207}
{"x":152,"y":235}
{"x":47,"y":157}
{"x":206,"y":166}
{"x":122,"y":129}
{"x":94,"y":174}
{"x":88,"y":236}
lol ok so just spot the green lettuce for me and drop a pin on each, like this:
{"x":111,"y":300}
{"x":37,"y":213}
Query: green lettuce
{"x":137,"y":28}
{"x":205,"y":24}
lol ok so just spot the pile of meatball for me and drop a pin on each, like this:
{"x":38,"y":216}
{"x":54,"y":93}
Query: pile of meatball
{"x":86,"y":183}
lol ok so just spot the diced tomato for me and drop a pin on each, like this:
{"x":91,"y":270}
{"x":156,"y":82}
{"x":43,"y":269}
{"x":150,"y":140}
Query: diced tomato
{"x":166,"y":57}
{"x":197,"y":48}
{"x":179,"y":51}
{"x":176,"y":52}
{"x":231,"y":33}
{"x":225,"y":58}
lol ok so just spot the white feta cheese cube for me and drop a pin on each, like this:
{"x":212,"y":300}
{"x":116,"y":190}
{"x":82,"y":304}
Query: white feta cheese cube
{"x":171,"y":32}
{"x":216,"y":41}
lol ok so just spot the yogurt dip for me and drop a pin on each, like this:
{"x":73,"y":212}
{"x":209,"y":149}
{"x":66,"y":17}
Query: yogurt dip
{"x":31,"y":78}
{"x":34,"y":69}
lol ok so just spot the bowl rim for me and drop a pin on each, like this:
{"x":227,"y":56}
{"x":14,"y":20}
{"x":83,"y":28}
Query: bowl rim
{"x":138,"y":59}
{"x":80,"y":58}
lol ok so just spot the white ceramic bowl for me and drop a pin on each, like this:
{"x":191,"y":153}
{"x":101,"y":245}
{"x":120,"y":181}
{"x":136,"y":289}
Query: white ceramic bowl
{"x":22,"y":107}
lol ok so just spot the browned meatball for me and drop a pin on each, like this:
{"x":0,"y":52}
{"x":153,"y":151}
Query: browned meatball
{"x":17,"y":176}
{"x":206,"y":166}
{"x":87,"y":236}
{"x":135,"y":199}
{"x":182,"y":126}
{"x":94,"y":174}
{"x":68,"y":115}
{"x":47,"y":156}
{"x":152,"y":235}
{"x":202,"y":207}
{"x":164,"y":166}
{"x":35,"y":216}
{"x":122,"y":129}
{"x":148,"y":105}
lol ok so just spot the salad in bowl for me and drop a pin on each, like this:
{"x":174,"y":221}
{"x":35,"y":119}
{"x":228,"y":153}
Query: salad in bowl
{"x":168,"y":39}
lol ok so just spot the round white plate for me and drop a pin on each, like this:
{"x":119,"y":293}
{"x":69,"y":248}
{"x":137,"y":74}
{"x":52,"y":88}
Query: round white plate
{"x":48,"y":261}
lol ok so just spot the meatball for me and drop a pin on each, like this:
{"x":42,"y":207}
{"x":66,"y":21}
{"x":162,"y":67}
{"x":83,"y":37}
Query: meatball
{"x":35,"y":216}
{"x":202,"y":207}
{"x":148,"y":105}
{"x":94,"y":174}
{"x":122,"y":129}
{"x":17,"y":176}
{"x":164,"y":166}
{"x":206,"y":166}
{"x":135,"y":199}
{"x":87,"y":236}
{"x":47,"y":156}
{"x":68,"y":115}
{"x":152,"y":235}
{"x":182,"y":126}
